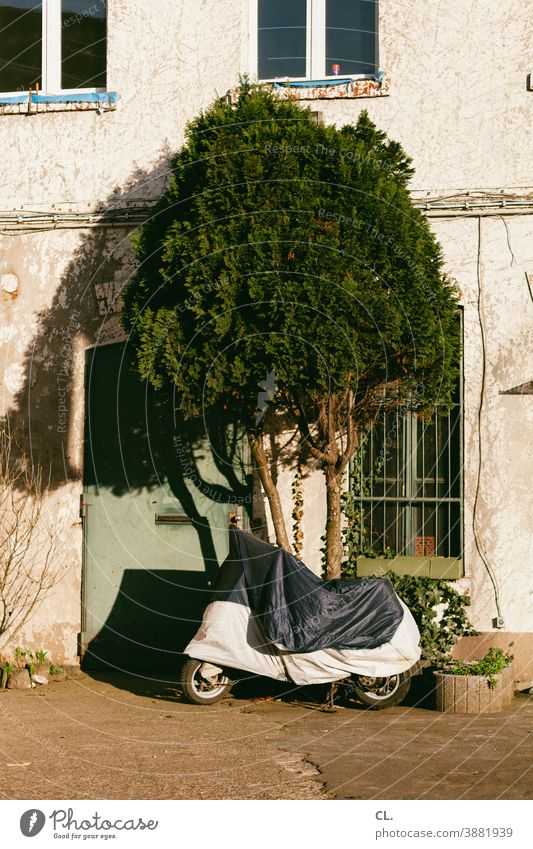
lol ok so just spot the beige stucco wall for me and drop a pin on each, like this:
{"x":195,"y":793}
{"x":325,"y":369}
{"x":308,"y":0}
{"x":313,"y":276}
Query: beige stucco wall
{"x":497,"y":427}
{"x":504,"y":425}
{"x":460,"y":107}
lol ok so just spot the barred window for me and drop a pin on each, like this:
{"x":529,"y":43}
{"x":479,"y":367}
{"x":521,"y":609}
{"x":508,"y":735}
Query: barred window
{"x":408,"y":486}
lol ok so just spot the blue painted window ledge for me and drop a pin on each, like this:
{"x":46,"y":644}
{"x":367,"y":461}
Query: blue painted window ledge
{"x":23,"y":104}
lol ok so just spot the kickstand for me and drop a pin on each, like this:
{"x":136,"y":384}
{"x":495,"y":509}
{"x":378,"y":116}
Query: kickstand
{"x":329,"y":704}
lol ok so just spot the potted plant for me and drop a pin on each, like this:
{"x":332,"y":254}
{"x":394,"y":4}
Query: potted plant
{"x":20,"y":675}
{"x":57,"y":673}
{"x":6,"y":669}
{"x":479,"y":686}
{"x":41,"y":668}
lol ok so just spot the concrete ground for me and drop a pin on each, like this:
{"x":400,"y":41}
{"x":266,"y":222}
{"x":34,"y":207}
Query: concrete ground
{"x":112,"y":737}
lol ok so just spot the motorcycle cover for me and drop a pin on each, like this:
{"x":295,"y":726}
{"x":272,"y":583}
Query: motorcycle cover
{"x":272,"y":615}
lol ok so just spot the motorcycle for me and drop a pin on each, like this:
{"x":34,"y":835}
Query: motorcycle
{"x":270,"y":615}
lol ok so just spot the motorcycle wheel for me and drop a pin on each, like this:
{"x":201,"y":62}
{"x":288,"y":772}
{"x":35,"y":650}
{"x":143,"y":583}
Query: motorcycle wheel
{"x":199,"y":690}
{"x":380,"y":693}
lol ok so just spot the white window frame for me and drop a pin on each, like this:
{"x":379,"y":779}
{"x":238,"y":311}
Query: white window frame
{"x":51,"y":55}
{"x":315,"y":45}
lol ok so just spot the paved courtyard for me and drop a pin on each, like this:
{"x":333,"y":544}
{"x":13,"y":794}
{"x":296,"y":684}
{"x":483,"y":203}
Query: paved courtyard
{"x":115,"y":737}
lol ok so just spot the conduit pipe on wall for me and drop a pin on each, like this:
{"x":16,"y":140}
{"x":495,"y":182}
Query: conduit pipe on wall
{"x":499,"y":621}
{"x":21,"y":220}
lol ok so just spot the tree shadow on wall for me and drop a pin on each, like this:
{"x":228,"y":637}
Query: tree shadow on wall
{"x":128,"y":444}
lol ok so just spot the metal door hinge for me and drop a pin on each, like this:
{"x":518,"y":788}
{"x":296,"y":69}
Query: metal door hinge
{"x":83,"y":507}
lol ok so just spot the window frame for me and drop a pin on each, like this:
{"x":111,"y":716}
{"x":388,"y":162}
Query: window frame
{"x":413,"y":501}
{"x":51,"y":56}
{"x":315,"y":45}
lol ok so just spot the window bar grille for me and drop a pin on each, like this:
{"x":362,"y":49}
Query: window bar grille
{"x":362,"y":512}
{"x":384,"y":473}
{"x":399,"y":428}
{"x":420,"y":424}
{"x":403,"y":501}
{"x":372,"y":461}
{"x":449,"y":416}
{"x":437,"y":484}
{"x":460,"y":426}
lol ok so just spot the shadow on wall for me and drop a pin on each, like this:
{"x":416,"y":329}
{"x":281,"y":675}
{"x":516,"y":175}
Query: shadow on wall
{"x":82,"y":314}
{"x":130,"y":441}
{"x":155,"y":615}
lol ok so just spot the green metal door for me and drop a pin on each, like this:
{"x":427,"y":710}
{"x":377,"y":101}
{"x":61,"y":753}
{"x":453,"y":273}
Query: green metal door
{"x":157,"y":496}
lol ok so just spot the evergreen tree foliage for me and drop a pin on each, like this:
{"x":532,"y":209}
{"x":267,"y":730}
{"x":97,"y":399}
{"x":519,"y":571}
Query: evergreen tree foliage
{"x":289,"y":246}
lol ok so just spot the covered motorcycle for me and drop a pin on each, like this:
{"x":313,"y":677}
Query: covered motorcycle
{"x":271,"y":615}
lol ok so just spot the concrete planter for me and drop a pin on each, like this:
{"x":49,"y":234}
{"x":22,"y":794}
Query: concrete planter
{"x":471,"y":693}
{"x":41,"y":674}
{"x":58,"y":676}
{"x":19,"y":680}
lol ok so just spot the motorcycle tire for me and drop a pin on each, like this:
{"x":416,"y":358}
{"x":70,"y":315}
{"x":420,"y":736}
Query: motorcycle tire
{"x":199,"y":690}
{"x":380,"y":693}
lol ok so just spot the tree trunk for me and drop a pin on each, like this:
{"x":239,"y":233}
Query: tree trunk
{"x":334,"y":551}
{"x":271,"y":492}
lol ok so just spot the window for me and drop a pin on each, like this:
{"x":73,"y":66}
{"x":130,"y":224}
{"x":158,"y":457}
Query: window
{"x":83,"y":44}
{"x":408,"y":484}
{"x":21,"y":25}
{"x":59,"y":45}
{"x":313,"y":39}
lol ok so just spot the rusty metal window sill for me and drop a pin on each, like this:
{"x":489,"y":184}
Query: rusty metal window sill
{"x":37,"y":104}
{"x":346,"y":88}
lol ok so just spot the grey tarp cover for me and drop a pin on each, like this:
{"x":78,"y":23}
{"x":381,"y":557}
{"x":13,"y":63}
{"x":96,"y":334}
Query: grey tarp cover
{"x":296,"y":609}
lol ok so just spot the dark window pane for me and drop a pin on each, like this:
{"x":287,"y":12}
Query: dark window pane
{"x":20,"y":44}
{"x":408,"y":482}
{"x":452,"y":539}
{"x":373,"y":461}
{"x":424,"y":530}
{"x":83,"y":44}
{"x":426,"y":465}
{"x":351,"y":36}
{"x":392,"y":452}
{"x":383,"y":528}
{"x":443,"y":460}
{"x":281,"y":40}
{"x":455,"y":453}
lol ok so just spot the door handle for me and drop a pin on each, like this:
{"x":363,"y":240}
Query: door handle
{"x":172,"y":519}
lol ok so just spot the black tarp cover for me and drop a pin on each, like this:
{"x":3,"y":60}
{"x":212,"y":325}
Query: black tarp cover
{"x":297,"y":610}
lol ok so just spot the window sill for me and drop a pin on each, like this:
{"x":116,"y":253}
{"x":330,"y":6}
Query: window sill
{"x":345,"y":88}
{"x":448,"y":568}
{"x":43,"y":103}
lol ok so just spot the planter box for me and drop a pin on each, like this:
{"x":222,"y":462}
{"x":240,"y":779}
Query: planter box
{"x":19,"y":680}
{"x":450,"y":568}
{"x":58,"y":676}
{"x":471,"y":693}
{"x":41,"y":674}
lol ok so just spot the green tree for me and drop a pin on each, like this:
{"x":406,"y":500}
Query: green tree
{"x":286,"y":246}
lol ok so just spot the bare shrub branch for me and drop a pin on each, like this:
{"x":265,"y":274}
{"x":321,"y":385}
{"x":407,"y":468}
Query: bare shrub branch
{"x":29,"y":564}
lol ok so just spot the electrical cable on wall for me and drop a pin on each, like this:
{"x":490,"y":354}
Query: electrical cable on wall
{"x":528,"y":282}
{"x":513,"y":258}
{"x":477,"y":542}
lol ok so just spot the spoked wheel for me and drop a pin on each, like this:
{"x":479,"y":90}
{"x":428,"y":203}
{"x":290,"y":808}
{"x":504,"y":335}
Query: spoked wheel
{"x":379,"y":693}
{"x":203,"y":689}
